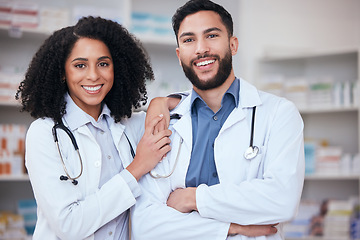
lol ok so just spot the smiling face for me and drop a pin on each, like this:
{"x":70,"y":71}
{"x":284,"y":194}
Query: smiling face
{"x":89,"y":74}
{"x":205,"y":50}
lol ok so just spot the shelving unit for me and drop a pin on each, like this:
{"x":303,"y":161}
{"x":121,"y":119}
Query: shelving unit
{"x":339,"y":125}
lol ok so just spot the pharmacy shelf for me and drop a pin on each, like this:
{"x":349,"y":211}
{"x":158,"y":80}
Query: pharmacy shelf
{"x":338,"y":125}
{"x":328,"y":109}
{"x":333,"y":176}
{"x":14,"y":178}
{"x":287,"y":54}
{"x":10,"y":103}
{"x":34,"y":33}
{"x":27,"y":33}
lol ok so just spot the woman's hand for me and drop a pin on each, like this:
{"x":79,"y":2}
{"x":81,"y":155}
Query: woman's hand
{"x":151,"y":149}
{"x":161,"y":105}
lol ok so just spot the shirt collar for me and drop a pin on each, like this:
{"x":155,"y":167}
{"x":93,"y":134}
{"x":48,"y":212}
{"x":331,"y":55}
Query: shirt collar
{"x":233,"y":90}
{"x":76,"y":117}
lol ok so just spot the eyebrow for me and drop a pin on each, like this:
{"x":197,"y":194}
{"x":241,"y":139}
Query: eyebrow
{"x":85,"y":59}
{"x":204,"y":32}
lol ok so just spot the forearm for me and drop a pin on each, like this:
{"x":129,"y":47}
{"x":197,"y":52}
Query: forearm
{"x":184,"y":200}
{"x":252,"y":230}
{"x":155,"y":220}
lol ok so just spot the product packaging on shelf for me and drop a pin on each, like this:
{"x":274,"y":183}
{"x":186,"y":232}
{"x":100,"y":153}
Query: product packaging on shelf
{"x":12,"y":142}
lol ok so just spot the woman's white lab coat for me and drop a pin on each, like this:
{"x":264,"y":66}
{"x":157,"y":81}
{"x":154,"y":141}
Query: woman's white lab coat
{"x":264,"y":190}
{"x":66,"y":210}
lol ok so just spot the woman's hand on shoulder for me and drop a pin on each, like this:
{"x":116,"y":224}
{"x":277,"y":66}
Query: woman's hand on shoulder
{"x":151,"y":148}
{"x":161,"y":105}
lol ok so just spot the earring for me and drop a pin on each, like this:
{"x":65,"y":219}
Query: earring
{"x":63,"y":80}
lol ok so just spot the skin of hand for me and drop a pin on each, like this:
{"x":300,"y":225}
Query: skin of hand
{"x":161,"y":105}
{"x":252,"y":230}
{"x":150,"y":150}
{"x":184,"y":200}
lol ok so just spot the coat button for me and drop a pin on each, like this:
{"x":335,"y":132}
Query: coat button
{"x":97,"y":164}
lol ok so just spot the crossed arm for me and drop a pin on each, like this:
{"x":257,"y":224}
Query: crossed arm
{"x":184,"y":200}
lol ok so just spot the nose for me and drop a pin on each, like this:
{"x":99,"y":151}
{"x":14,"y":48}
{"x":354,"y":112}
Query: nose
{"x":93,"y":73}
{"x":202,"y":47}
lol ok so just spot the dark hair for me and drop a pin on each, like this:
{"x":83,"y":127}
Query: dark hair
{"x":194,"y":6}
{"x":43,"y":90}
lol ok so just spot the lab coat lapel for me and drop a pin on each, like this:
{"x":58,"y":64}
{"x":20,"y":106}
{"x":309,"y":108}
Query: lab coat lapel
{"x":182,"y":129}
{"x":91,"y":154}
{"x":118,"y":135}
{"x":184,"y":126}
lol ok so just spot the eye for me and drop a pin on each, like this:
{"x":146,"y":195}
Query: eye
{"x":80,"y":65}
{"x":187,"y":40}
{"x":212,"y":35}
{"x":103,"y":64}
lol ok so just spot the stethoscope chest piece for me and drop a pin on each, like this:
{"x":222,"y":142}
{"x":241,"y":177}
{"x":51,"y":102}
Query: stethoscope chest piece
{"x":251,"y":152}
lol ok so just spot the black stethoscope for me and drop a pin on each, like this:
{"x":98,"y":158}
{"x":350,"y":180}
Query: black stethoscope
{"x":67,"y":176}
{"x":252,"y":151}
{"x":61,"y":126}
{"x":249,"y":154}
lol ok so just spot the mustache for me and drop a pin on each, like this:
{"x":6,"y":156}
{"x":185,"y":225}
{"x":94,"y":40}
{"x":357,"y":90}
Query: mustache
{"x":205,"y":55}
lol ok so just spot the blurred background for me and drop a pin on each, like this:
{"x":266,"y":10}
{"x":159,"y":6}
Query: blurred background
{"x":306,"y":51}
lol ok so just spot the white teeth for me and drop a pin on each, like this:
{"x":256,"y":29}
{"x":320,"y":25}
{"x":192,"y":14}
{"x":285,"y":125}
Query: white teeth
{"x":205,"y":63}
{"x":92,"y":89}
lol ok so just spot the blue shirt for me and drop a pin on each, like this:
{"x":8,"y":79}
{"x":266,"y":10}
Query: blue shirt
{"x":205,"y":127}
{"x":110,"y":164}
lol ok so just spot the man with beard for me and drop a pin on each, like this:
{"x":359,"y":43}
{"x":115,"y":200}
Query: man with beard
{"x":212,"y":185}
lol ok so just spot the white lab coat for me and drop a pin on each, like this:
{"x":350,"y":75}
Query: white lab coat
{"x":264,"y":190}
{"x":66,"y":211}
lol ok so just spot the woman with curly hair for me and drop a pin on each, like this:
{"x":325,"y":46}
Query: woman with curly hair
{"x":89,"y":77}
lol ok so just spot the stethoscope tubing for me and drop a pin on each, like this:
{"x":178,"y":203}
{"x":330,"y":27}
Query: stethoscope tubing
{"x":61,"y":125}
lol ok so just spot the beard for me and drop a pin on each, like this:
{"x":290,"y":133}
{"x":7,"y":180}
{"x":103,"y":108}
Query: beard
{"x":225,"y":66}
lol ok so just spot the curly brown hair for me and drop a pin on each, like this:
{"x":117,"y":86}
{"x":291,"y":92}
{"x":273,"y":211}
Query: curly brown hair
{"x":43,"y":90}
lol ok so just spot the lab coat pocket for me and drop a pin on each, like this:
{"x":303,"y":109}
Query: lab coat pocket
{"x":256,"y":165}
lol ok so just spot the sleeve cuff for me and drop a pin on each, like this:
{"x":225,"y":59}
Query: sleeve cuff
{"x":200,"y":203}
{"x":131,"y":182}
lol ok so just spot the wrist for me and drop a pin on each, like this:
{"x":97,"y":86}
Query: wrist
{"x":193,"y":205}
{"x":135,"y":170}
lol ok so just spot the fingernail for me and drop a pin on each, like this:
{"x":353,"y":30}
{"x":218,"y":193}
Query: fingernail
{"x":161,"y":115}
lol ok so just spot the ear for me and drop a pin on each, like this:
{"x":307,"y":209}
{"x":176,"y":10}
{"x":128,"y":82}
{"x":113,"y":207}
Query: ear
{"x":178,"y":55}
{"x":234,"y":45}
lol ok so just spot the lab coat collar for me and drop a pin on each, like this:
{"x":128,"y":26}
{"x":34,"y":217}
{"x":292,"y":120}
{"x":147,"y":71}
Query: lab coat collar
{"x":74,"y":116}
{"x":81,"y":119}
{"x":248,"y":98}
{"x":249,"y":95}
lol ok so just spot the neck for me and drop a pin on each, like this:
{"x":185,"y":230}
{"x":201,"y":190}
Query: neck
{"x":213,"y":97}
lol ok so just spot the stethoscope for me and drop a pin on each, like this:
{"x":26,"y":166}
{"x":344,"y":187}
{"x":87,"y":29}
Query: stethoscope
{"x":61,"y":126}
{"x":250,"y":153}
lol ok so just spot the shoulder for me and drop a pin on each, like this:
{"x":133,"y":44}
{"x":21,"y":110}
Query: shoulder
{"x":136,"y":120}
{"x":39,"y":134}
{"x":135,"y":125}
{"x":40,"y":125}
